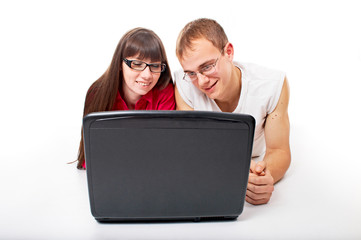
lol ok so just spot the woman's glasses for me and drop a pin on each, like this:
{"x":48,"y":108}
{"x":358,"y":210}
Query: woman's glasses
{"x":140,"y":66}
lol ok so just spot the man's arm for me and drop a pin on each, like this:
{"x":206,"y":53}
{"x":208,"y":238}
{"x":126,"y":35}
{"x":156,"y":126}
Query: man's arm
{"x":180,"y":103}
{"x":277,"y":133}
{"x":274,"y":165}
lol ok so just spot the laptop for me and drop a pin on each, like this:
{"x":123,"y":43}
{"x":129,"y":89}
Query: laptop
{"x":167,"y":165}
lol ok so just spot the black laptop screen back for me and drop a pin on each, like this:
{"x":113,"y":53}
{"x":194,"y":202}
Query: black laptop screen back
{"x":167,"y":165}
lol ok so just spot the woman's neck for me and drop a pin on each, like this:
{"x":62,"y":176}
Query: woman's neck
{"x":130,"y":98}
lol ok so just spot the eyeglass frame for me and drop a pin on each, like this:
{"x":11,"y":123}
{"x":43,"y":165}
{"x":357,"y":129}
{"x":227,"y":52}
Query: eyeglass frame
{"x":129,"y":64}
{"x":186,"y":75}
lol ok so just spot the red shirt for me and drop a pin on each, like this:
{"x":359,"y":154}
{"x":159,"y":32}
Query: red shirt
{"x":155,"y":99}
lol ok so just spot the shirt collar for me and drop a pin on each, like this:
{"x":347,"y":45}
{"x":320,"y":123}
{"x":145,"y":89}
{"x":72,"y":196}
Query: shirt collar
{"x":148,"y":97}
{"x":120,"y":103}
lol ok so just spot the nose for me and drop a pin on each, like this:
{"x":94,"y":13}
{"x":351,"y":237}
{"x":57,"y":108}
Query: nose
{"x":202,"y":79}
{"x":146,"y":73}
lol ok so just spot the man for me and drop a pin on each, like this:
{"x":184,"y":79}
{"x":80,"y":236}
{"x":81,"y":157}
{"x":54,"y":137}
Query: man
{"x":212,"y":81}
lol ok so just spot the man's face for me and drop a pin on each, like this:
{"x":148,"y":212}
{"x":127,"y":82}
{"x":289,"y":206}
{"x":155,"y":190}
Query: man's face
{"x":204,"y":55}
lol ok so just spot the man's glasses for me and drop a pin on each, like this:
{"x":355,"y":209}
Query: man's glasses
{"x":140,"y":66}
{"x":205,"y":71}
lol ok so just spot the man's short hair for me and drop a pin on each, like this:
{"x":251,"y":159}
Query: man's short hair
{"x":200,"y":28}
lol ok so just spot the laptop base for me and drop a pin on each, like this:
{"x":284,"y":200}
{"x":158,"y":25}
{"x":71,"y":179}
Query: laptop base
{"x":154,"y":220}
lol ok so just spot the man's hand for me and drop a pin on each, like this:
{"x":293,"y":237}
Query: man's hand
{"x":260,"y":184}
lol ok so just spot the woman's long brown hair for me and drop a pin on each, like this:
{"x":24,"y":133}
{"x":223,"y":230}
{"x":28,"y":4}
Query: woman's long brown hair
{"x":139,"y":42}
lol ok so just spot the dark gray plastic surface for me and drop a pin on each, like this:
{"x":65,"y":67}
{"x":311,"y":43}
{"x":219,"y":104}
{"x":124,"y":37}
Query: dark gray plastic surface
{"x":167,"y":165}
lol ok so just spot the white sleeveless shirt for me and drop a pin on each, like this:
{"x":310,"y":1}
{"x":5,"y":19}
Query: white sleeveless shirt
{"x":261,"y":89}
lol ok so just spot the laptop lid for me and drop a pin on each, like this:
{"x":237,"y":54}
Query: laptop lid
{"x":167,"y":165}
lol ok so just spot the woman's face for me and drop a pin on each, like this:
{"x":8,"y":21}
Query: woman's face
{"x":138,"y":82}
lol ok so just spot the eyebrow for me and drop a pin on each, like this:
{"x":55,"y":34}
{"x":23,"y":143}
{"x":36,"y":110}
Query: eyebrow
{"x":206,"y":63}
{"x":152,"y":63}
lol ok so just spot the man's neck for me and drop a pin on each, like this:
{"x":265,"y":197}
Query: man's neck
{"x":230,"y":102}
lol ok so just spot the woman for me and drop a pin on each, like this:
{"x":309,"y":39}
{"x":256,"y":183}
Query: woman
{"x":138,"y":78}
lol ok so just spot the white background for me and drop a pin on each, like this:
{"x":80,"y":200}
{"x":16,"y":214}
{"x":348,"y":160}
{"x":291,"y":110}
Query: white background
{"x":51,"y":51}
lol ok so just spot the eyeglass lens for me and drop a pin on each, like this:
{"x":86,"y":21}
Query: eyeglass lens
{"x":140,"y":66}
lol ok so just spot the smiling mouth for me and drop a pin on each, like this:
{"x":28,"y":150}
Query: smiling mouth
{"x":143,"y":84}
{"x":209,"y":88}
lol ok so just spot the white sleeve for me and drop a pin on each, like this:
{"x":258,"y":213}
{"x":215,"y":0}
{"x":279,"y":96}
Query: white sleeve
{"x":184,"y":88}
{"x":277,"y":88}
{"x":269,"y":81}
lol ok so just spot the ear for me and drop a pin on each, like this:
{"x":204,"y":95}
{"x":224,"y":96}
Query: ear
{"x":229,"y":51}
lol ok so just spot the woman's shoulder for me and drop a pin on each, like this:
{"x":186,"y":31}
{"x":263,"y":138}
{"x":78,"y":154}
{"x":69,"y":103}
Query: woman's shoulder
{"x":167,"y":90}
{"x":163,"y":98}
